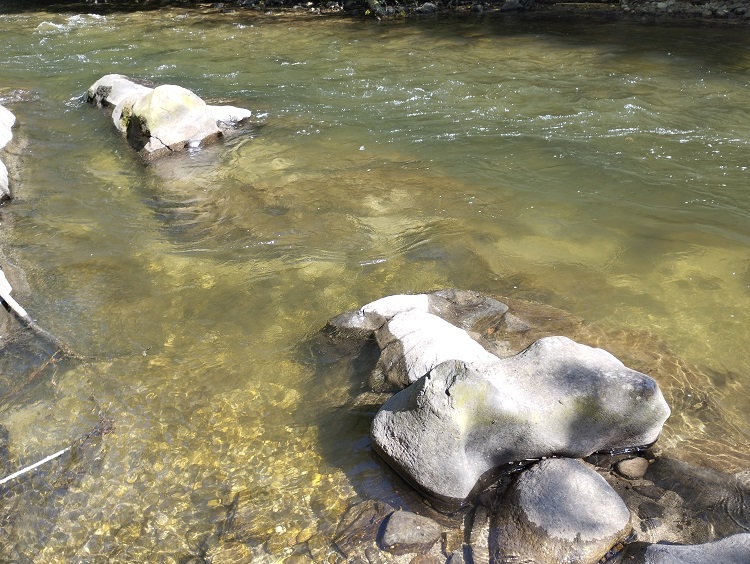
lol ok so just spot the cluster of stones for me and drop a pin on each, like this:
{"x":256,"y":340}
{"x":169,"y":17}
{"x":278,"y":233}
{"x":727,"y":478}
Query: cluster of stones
{"x":7,"y":120}
{"x":165,"y":119}
{"x":467,"y":411}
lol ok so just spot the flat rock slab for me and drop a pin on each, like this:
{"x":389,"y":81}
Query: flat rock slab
{"x":559,"y":510}
{"x":454,"y":430}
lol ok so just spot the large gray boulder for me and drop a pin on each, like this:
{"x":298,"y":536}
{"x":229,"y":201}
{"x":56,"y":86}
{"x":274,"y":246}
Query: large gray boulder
{"x":454,"y":430}
{"x":7,"y":120}
{"x":167,"y":119}
{"x":560,"y":510}
{"x":163,"y":120}
{"x":730,"y":550}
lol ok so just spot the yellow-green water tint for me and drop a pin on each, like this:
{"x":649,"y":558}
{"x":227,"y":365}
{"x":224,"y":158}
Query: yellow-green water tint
{"x":600,"y":169}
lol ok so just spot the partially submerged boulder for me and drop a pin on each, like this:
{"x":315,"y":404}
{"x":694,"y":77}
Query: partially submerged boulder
{"x":7,"y":120}
{"x":466,"y":414}
{"x":559,"y":510}
{"x":112,"y":89}
{"x":162,"y":120}
{"x":166,"y":119}
{"x":670,"y":503}
{"x":453,"y":431}
{"x":730,"y":550}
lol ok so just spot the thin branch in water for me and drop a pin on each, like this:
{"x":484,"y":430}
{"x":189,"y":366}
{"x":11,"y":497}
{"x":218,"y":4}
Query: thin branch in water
{"x":14,"y":307}
{"x":104,"y":426}
{"x":51,"y":361}
{"x":23,"y":471}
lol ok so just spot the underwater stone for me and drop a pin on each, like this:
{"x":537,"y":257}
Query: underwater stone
{"x":730,"y":550}
{"x":632,"y":468}
{"x":407,"y":532}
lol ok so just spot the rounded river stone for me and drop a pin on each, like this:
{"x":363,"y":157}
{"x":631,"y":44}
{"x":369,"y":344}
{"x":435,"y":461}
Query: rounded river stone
{"x":560,"y":510}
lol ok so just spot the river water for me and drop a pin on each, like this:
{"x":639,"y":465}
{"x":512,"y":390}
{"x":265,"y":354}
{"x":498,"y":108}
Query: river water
{"x":600,"y":168}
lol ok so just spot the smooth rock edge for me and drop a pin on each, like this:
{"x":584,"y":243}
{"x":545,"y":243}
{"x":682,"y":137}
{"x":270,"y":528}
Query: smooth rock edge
{"x":127,"y":97}
{"x":730,"y":550}
{"x":407,"y":532}
{"x":559,"y":510}
{"x":453,"y":431}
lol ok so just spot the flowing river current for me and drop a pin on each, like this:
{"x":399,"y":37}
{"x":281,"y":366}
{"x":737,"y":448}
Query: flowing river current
{"x":599,"y":168}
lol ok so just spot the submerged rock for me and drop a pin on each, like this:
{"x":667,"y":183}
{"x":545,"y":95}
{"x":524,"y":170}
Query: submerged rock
{"x":162,"y":120}
{"x":360,"y":525}
{"x":730,"y":550}
{"x":407,"y":532}
{"x":454,"y":430}
{"x":560,"y":510}
{"x":632,"y":468}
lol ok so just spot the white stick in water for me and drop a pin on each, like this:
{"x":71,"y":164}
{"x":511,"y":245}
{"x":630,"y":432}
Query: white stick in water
{"x":35,"y":465}
{"x":5,"y":290}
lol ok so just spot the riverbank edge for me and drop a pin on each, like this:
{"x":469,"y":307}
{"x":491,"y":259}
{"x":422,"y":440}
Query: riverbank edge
{"x":678,"y":12}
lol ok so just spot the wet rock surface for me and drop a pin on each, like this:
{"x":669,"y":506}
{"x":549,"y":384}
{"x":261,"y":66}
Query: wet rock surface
{"x":466,"y":413}
{"x":165,"y":119}
{"x":663,"y":499}
{"x":559,"y":510}
{"x":7,"y":121}
{"x":731,"y":550}
{"x":361,"y":525}
{"x":407,"y":532}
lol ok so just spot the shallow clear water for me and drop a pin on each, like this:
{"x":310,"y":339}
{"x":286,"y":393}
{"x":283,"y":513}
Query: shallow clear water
{"x":600,"y":169}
